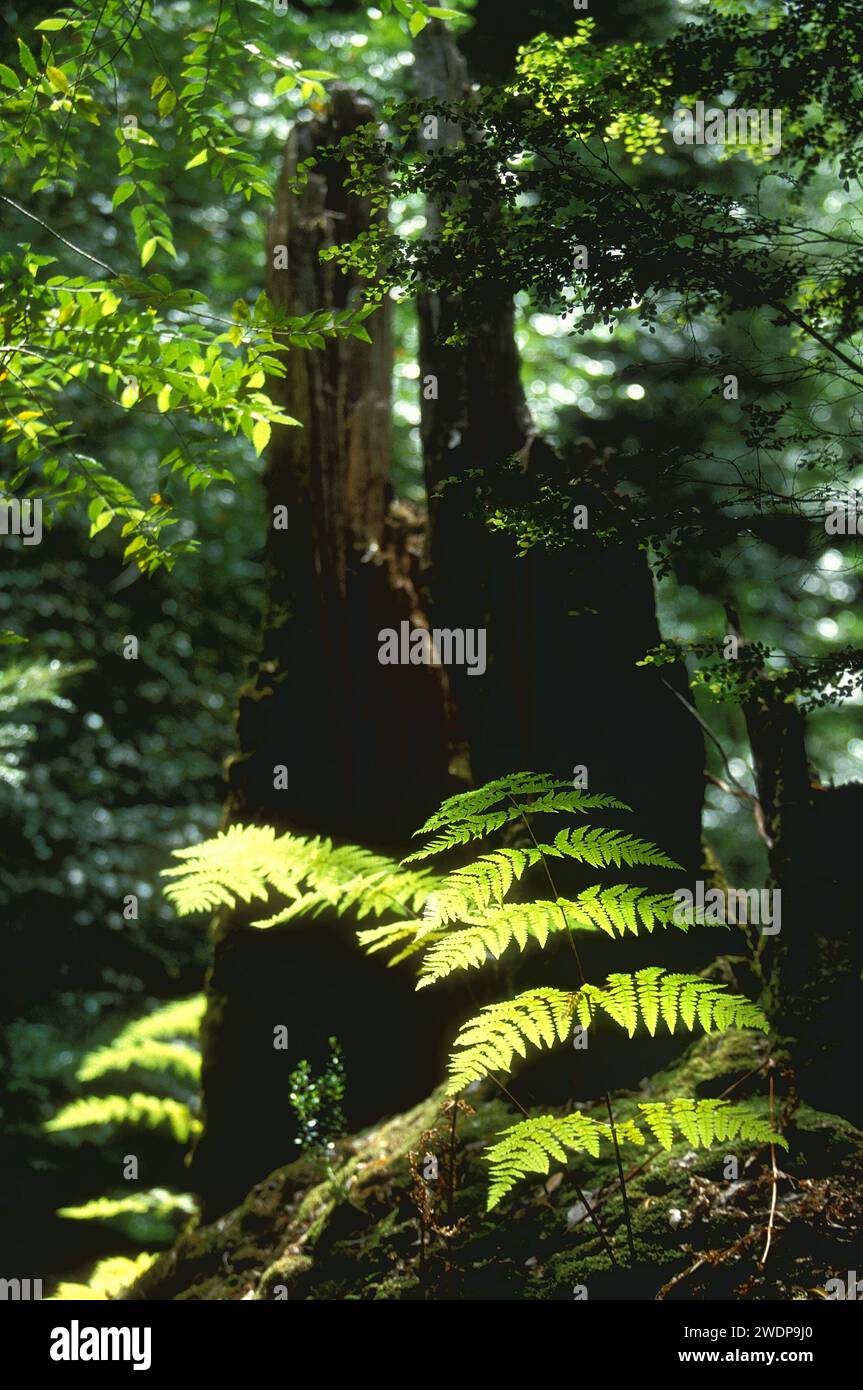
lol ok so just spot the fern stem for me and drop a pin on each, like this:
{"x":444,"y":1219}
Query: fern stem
{"x":580,"y":967}
{"x":629,"y":1235}
{"x":775,"y":1181}
{"x":450,"y":1196}
{"x":581,"y":1197}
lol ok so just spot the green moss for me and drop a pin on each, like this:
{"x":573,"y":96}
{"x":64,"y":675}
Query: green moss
{"x":355,"y":1235}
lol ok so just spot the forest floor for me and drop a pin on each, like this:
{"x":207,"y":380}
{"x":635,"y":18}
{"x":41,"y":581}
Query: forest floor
{"x":372,"y":1227}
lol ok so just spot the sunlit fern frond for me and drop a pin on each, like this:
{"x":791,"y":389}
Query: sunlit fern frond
{"x":529,"y":1146}
{"x":623,"y":908}
{"x":467,"y":891}
{"x":465,"y":807}
{"x":490,"y":1040}
{"x":179,"y":1019}
{"x":601,"y":848}
{"x":245,"y":863}
{"x":137,"y":1110}
{"x":405,"y":938}
{"x":239,"y":864}
{"x":158,"y":1201}
{"x":651,"y":994}
{"x":148,"y":1054}
{"x":705,"y":1122}
{"x":478,"y":826}
{"x":490,"y":934}
{"x":109,"y":1278}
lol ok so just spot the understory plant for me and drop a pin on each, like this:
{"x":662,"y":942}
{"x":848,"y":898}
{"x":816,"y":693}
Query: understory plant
{"x":465,"y":918}
{"x":159,"y":1052}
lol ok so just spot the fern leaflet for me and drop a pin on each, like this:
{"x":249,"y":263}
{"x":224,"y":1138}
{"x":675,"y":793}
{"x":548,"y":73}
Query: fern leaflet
{"x":149,"y":1112}
{"x":478,"y":826}
{"x":489,"y":1041}
{"x":530,"y":1145}
{"x":651,"y":993}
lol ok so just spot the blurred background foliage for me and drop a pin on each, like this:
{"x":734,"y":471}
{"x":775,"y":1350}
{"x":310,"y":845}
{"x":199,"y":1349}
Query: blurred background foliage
{"x":102,"y":782}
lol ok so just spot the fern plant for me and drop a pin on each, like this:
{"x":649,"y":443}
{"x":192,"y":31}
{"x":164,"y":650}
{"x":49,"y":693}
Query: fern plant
{"x":161,"y":1049}
{"x":462,"y":919}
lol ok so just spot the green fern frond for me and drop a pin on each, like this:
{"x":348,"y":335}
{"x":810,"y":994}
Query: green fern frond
{"x":149,"y":1112}
{"x":705,"y":1122}
{"x":464,"y":805}
{"x":150,"y":1054}
{"x":466,"y":890}
{"x":623,"y":908}
{"x":179,"y":1019}
{"x":529,"y":1146}
{"x":478,"y":826}
{"x":245,"y":862}
{"x":489,"y":1041}
{"x":109,"y":1278}
{"x":157,"y":1202}
{"x":651,"y":993}
{"x":240,"y":863}
{"x":599,"y":848}
{"x":406,"y":938}
{"x":490,"y":935}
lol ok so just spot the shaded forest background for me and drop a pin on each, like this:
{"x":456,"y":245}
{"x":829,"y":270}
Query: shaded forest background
{"x":132,"y":763}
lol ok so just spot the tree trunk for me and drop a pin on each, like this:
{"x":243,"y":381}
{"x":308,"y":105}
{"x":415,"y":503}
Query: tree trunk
{"x":365,"y":747}
{"x":813,"y":966}
{"x":564,"y":630}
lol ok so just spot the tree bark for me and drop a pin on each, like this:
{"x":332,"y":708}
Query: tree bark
{"x":365,"y":746}
{"x":812,"y":968}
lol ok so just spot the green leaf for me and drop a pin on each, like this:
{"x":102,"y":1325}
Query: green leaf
{"x":9,"y":78}
{"x":417,"y":23}
{"x":28,"y":62}
{"x":52,"y":25}
{"x":199,"y":158}
{"x":261,"y":435}
{"x":102,"y":520}
{"x":58,"y":79}
{"x":122,"y":192}
{"x":163,"y":400}
{"x":148,"y":250}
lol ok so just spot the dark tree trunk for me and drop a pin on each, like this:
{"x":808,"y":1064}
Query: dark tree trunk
{"x":564,"y":629}
{"x":365,"y":746}
{"x":813,"y":967}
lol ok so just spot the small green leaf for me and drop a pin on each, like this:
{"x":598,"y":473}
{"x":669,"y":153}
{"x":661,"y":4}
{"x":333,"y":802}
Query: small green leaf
{"x":417,"y":23}
{"x":52,"y":25}
{"x":58,"y":79}
{"x":28,"y":62}
{"x":261,"y":435}
{"x":102,"y":520}
{"x":9,"y":78}
{"x":148,"y":250}
{"x":163,"y":400}
{"x":199,"y":158}
{"x":122,"y":192}
{"x":167,"y":102}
